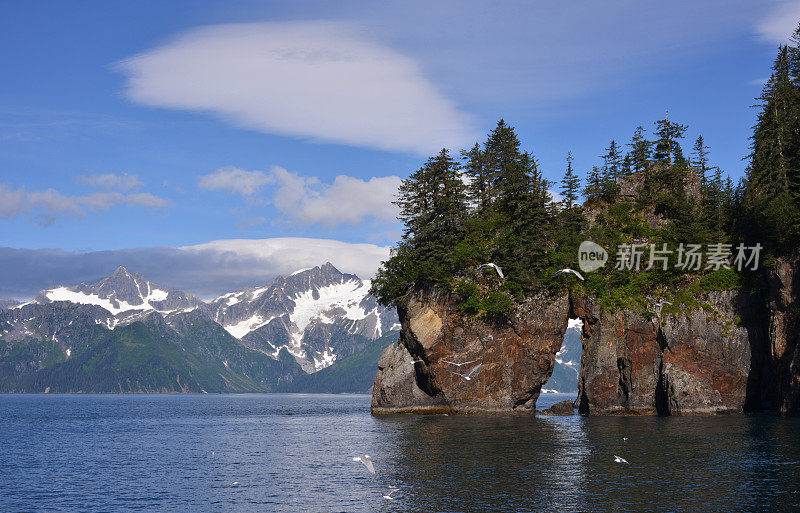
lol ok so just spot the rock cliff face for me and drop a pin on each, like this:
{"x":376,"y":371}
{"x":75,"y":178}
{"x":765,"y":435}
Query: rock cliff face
{"x":696,"y":361}
{"x":516,"y":358}
{"x":781,"y":389}
{"x":734,"y":352}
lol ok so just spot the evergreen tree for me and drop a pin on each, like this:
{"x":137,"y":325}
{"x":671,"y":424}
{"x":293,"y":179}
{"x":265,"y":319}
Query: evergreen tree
{"x":594,"y":186}
{"x":570,"y":184}
{"x":668,"y":134}
{"x":479,"y":188}
{"x":627,"y":165}
{"x":641,"y":150}
{"x":700,"y":161}
{"x":612,"y":162}
{"x":772,"y":195}
{"x":502,"y":158}
{"x":677,"y":156}
{"x":774,"y":140}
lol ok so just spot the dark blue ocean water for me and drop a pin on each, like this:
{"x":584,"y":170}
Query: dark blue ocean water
{"x":154,"y":453}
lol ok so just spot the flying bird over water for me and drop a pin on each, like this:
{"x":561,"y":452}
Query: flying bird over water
{"x":570,"y":271}
{"x":392,"y":489}
{"x":493,"y":266}
{"x":617,"y":459}
{"x":468,"y":375}
{"x":367,"y":461}
{"x":459,"y":364}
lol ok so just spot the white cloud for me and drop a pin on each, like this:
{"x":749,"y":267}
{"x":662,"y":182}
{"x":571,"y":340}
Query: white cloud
{"x":306,"y":200}
{"x":234,"y":179}
{"x":347,"y":200}
{"x":323,"y":80}
{"x":124,"y":182}
{"x":51,"y":203}
{"x":253,"y":258}
{"x":779,"y":25}
{"x":207,"y":270}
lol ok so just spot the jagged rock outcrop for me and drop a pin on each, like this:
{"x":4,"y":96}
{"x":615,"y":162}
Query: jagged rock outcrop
{"x":516,"y":357}
{"x":696,"y":361}
{"x":705,"y":358}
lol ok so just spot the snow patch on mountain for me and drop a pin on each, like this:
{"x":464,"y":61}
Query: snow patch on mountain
{"x":346,"y":296}
{"x":244,"y":327}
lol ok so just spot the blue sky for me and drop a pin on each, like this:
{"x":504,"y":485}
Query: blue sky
{"x":128,"y":125}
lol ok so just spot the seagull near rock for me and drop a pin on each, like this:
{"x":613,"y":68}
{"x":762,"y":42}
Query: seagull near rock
{"x":493,"y":266}
{"x":468,"y":375}
{"x":657,"y":304}
{"x":367,"y":461}
{"x":617,"y":459}
{"x":415,"y":361}
{"x":569,"y":271}
{"x":459,"y":364}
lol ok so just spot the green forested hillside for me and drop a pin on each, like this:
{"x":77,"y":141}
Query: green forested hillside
{"x":146,"y":356}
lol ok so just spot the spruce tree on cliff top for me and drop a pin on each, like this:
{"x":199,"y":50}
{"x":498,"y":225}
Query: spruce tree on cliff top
{"x":772,"y":191}
{"x":504,"y":214}
{"x":570,"y":184}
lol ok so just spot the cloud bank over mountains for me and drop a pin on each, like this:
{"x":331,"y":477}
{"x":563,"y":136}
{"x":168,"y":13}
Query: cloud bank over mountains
{"x":205,"y":270}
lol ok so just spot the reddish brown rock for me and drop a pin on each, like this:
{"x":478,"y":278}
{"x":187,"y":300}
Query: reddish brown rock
{"x":695,"y":362}
{"x":619,"y":363}
{"x":516,"y":357}
{"x":715,"y":357}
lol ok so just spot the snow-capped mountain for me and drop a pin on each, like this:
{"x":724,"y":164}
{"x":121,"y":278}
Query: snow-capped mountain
{"x":318,"y":315}
{"x":568,"y":361}
{"x":126,"y":297}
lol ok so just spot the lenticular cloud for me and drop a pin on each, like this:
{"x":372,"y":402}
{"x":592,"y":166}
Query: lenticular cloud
{"x":325,"y":81}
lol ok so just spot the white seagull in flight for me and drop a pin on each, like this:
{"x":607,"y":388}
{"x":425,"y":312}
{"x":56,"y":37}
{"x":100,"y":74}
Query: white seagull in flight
{"x":415,"y":361}
{"x":570,"y":271}
{"x":467,"y":375}
{"x":617,"y":459}
{"x":392,"y":489}
{"x":459,"y":364}
{"x":493,"y":266}
{"x":658,"y":304}
{"x":367,"y":461}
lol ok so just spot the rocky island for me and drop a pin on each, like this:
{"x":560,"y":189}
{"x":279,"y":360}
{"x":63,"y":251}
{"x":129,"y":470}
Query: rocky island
{"x":682,"y":320}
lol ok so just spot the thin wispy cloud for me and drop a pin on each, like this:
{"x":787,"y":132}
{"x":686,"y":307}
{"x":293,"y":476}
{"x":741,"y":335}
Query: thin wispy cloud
{"x":50,"y":204}
{"x":111,"y":181}
{"x":235,"y":180}
{"x":325,"y":81}
{"x":779,"y":25}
